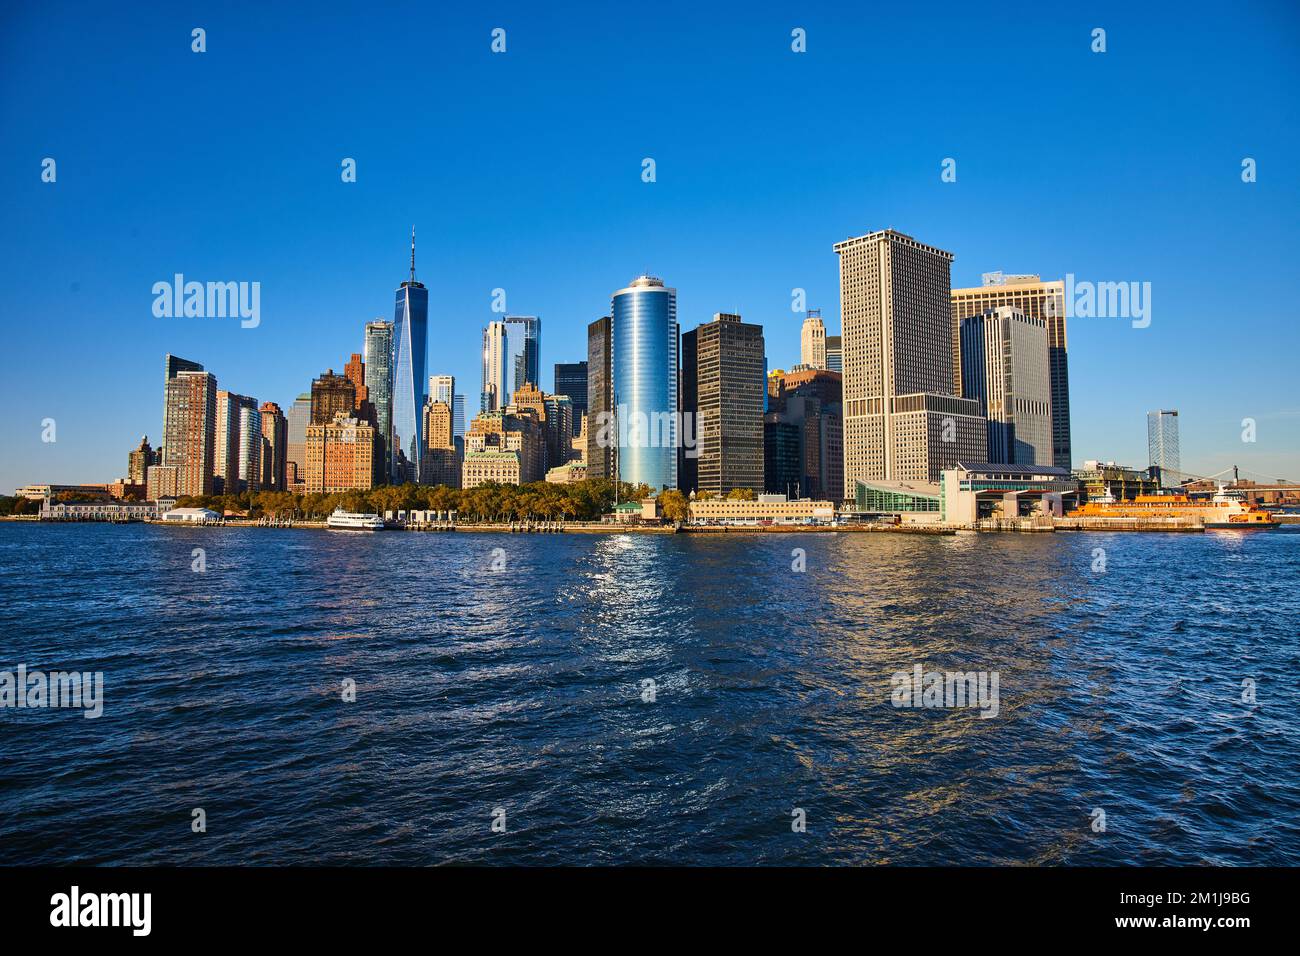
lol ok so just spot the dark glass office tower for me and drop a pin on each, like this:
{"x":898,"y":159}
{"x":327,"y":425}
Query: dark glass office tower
{"x":571,"y":380}
{"x":600,"y":399}
{"x":410,"y":376}
{"x":378,"y":351}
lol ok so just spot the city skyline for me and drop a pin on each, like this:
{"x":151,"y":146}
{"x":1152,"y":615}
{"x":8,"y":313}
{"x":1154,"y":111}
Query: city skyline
{"x":557,"y":227}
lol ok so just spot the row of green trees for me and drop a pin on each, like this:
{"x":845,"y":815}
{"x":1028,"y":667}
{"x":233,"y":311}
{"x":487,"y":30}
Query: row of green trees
{"x":540,"y":500}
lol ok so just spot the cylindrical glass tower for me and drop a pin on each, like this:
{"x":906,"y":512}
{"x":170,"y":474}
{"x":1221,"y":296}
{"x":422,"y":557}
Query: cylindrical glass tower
{"x":643,"y":346}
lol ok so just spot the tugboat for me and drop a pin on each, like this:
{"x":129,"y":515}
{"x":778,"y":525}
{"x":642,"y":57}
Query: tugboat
{"x":342,"y":520}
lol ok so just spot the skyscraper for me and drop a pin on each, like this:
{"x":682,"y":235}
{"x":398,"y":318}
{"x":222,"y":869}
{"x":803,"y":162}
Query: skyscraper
{"x":225,"y":447}
{"x":834,"y":353}
{"x":600,"y":401}
{"x":189,"y":416}
{"x":458,"y":416}
{"x":1039,"y":300}
{"x":812,"y":340}
{"x":727,"y":411}
{"x":1004,"y":367}
{"x":525,"y":332}
{"x":571,"y":380}
{"x":644,"y":341}
{"x":1162,"y":447}
{"x":295,"y":455}
{"x":442,"y":388}
{"x":330,"y":394}
{"x":275,"y":441}
{"x":410,"y":351}
{"x":497,"y":362}
{"x":378,"y":352}
{"x":248,"y":474}
{"x":901,"y":420}
{"x":172,"y":366}
{"x":139,"y":460}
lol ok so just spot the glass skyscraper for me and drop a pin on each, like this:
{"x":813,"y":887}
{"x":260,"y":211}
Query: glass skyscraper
{"x":1162,"y":447}
{"x":410,"y":375}
{"x":643,"y":346}
{"x":378,"y":351}
{"x":525,"y":333}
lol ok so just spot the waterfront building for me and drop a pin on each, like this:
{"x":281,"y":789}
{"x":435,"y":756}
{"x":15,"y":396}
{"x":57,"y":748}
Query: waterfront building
{"x":571,"y":378}
{"x":767,"y":509}
{"x":901,"y":420}
{"x":1162,"y":447}
{"x":812,"y":340}
{"x":98,"y":510}
{"x":973,"y":490}
{"x":442,"y":456}
{"x":190,"y":422}
{"x":644,"y":341}
{"x":1036,"y":299}
{"x":124,"y":489}
{"x":908,"y":500}
{"x":378,"y":351}
{"x":340,"y":455}
{"x":481,"y":467}
{"x":225,"y":449}
{"x":558,"y":418}
{"x":1005,"y":368}
{"x":834,"y":353}
{"x":275,"y":441}
{"x":298,"y":418}
{"x":331,"y":394}
{"x":1106,"y":481}
{"x":139,"y":460}
{"x":723,"y":386}
{"x":410,"y":376}
{"x":516,"y":430}
{"x":600,"y":400}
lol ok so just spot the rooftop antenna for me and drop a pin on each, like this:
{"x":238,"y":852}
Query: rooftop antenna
{"x":412,"y":253}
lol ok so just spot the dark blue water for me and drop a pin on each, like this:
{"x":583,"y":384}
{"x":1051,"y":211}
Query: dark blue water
{"x":520,"y":689}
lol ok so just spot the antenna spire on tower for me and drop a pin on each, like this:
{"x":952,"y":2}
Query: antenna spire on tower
{"x":412,"y":253}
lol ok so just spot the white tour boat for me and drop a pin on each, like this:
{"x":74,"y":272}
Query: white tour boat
{"x":342,"y":520}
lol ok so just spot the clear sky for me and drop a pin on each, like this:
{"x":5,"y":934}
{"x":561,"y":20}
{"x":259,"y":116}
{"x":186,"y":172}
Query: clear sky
{"x":522,"y":171}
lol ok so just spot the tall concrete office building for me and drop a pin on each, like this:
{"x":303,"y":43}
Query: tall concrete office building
{"x":1036,"y":299}
{"x":901,"y":420}
{"x":1004,"y":367}
{"x":600,"y":401}
{"x":644,"y":341}
{"x":497,"y":365}
{"x":723,"y":386}
{"x":378,"y":351}
{"x":1162,"y":447}
{"x":189,"y":421}
{"x":812,"y":341}
{"x":410,"y":376}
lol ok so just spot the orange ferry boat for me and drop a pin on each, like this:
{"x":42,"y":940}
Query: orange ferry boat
{"x":1227,"y":509}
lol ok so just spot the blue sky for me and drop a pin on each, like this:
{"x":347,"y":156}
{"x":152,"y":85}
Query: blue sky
{"x":522,"y":171}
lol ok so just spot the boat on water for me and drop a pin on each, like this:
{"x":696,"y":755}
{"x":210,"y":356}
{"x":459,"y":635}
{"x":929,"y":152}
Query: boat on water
{"x":342,"y":520}
{"x":1226,"y":510}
